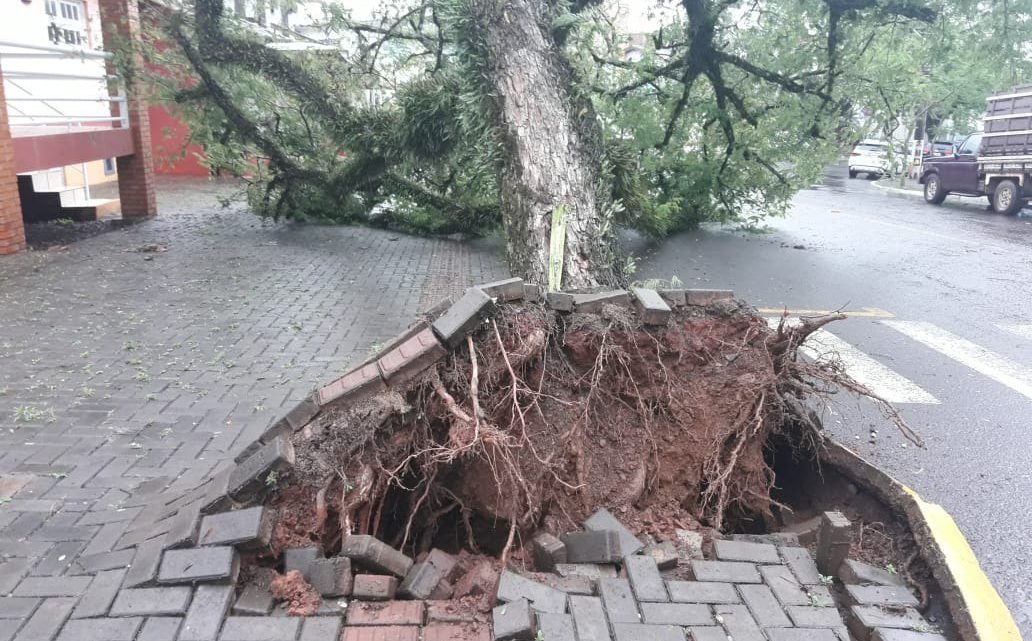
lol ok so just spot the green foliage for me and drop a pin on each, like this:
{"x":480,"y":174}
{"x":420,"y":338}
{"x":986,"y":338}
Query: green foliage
{"x":729,"y":111}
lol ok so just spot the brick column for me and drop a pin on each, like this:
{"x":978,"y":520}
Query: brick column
{"x":121,"y":24}
{"x":12,"y":229}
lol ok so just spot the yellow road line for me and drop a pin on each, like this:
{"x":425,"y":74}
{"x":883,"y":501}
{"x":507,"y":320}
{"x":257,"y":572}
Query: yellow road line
{"x":863,"y":312}
{"x":992,"y":619}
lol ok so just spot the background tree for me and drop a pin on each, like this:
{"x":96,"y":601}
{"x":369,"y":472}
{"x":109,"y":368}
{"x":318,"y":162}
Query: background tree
{"x":461,"y":115}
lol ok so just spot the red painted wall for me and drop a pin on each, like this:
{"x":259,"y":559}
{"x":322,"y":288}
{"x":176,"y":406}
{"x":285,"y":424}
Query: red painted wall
{"x":167,"y":137}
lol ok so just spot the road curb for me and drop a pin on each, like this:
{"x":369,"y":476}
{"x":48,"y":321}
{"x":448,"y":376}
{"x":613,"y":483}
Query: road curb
{"x":910,"y":193}
{"x":976,"y":608}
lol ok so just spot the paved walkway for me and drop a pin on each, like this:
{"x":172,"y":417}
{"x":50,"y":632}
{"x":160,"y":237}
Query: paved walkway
{"x":121,"y":367}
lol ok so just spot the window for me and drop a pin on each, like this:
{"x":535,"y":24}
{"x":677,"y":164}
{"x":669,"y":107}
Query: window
{"x":970,"y":145}
{"x":109,"y":166}
{"x":51,"y":7}
{"x":70,"y":10}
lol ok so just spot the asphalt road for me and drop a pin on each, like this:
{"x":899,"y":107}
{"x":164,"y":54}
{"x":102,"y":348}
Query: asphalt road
{"x":945,"y":325}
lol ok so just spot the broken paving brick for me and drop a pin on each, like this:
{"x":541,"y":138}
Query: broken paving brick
{"x":664,"y":553}
{"x":601,"y":546}
{"x":604,"y":520}
{"x":548,"y":550}
{"x":373,"y":554}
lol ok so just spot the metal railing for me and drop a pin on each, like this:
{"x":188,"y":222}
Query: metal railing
{"x":40,"y":97}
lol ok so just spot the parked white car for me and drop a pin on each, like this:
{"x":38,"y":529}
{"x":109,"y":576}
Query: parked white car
{"x":871,"y":157}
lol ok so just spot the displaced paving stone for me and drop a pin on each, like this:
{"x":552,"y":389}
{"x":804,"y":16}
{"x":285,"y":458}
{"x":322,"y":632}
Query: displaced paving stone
{"x":602,"y":546}
{"x":891,"y":634}
{"x":799,"y":560}
{"x":361,"y":382}
{"x":513,"y":587}
{"x":643,"y":632}
{"x":480,"y":579}
{"x":738,"y":623}
{"x":385,"y":633}
{"x":806,"y":616}
{"x":801,"y":634}
{"x":321,"y":629}
{"x":547,"y":550}
{"x":702,"y":592}
{"x":253,"y":601}
{"x":745,"y":551}
{"x":444,"y":562}
{"x":531,"y":292}
{"x":196,"y":565}
{"x":394,"y":613}
{"x":185,"y":526}
{"x":216,"y":496}
{"x":144,"y":567}
{"x":301,"y":559}
{"x":246,"y":529}
{"x":864,"y":618}
{"x":593,"y":303}
{"x":513,"y":621}
{"x":664,"y":553}
{"x":806,"y":531}
{"x":689,"y":543}
{"x":676,"y":613}
{"x":461,"y":319}
{"x":764,"y":607}
{"x":591,"y":571}
{"x":160,"y":629}
{"x":833,"y":542}
{"x":725,"y":571}
{"x":504,"y":290}
{"x":454,"y":632}
{"x":618,"y":600}
{"x":651,"y":306}
{"x":97,"y":599}
{"x":260,"y":629}
{"x":371,"y":553}
{"x":151,"y":602}
{"x":589,"y":618}
{"x":100,"y":629}
{"x":707,"y":296}
{"x":331,"y":577}
{"x":421,"y":581}
{"x":374,"y":587}
{"x":645,"y":578}
{"x":560,"y":301}
{"x":858,"y":573}
{"x":604,"y":520}
{"x":208,"y":608}
{"x":893,"y":595}
{"x":254,"y":475}
{"x":555,"y":627}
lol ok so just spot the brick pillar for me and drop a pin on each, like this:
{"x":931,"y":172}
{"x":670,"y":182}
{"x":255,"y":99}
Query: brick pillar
{"x":12,"y":229}
{"x":121,"y":24}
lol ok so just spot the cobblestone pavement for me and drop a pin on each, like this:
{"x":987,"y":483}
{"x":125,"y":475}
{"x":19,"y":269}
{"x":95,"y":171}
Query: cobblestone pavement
{"x":122,"y":369}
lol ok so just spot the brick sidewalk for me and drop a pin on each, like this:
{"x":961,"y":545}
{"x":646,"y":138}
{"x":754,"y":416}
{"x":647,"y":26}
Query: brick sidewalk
{"x":121,"y":369}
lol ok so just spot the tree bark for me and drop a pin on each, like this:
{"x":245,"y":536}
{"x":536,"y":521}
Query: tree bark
{"x":552,"y":154}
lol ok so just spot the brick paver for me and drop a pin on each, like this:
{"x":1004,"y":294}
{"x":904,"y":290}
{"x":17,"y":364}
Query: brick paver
{"x":123,"y":372}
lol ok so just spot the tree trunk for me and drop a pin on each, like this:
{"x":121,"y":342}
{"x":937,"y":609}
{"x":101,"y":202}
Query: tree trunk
{"x":551,"y":147}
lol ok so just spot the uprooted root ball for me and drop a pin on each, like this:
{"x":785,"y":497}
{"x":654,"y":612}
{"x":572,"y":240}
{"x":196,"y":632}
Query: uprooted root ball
{"x":540,"y":419}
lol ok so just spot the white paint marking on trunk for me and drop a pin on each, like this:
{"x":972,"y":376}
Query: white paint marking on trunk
{"x":1024,"y":331}
{"x":997,"y":367}
{"x":822,"y":345}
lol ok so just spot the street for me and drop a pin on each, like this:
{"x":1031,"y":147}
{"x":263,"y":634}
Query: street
{"x":942,"y":326}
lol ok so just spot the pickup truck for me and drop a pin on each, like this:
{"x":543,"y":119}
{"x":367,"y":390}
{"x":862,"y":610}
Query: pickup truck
{"x":996,"y":164}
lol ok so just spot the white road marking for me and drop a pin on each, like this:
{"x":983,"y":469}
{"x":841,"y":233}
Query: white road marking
{"x":997,"y":367}
{"x":823,"y":345}
{"x":1024,"y":331}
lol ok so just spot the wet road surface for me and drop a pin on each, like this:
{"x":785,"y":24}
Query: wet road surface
{"x":944,"y":325}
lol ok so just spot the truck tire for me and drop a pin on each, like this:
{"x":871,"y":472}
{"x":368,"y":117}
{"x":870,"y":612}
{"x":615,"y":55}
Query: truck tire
{"x":852,"y":174}
{"x":933,"y":191}
{"x":1007,"y":198}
